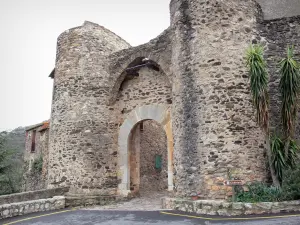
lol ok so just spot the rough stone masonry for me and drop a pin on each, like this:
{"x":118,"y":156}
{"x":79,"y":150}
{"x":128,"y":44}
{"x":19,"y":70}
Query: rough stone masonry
{"x":191,"y":80}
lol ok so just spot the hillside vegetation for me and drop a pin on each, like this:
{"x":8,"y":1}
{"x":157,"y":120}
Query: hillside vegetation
{"x":12,"y":145}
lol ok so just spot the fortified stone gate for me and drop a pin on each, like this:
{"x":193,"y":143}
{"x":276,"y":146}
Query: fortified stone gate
{"x":129,"y":171}
{"x":175,"y":112}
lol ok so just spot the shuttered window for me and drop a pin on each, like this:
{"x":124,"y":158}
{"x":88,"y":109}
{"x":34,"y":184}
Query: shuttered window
{"x":158,"y":162}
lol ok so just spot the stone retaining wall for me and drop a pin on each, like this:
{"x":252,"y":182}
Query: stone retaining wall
{"x":33,"y":195}
{"x":223,"y":208}
{"x":22,"y":208}
{"x":86,"y":200}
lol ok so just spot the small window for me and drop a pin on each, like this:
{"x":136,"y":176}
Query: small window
{"x":33,"y":141}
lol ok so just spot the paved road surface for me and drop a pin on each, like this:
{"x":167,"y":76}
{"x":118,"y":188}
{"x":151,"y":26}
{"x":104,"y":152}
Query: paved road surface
{"x":109,"y":217}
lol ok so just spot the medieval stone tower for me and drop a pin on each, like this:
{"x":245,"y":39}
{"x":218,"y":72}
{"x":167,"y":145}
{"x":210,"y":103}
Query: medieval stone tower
{"x":191,"y":80}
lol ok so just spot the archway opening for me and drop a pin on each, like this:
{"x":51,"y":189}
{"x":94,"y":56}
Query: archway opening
{"x":151,"y":78}
{"x":148,"y":158}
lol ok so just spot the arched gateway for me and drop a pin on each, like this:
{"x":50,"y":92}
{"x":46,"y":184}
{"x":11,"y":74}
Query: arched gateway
{"x":158,"y":113}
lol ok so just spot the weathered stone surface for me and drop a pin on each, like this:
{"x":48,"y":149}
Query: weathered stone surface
{"x":221,"y":208}
{"x":37,"y":135}
{"x":26,"y":207}
{"x":33,"y":195}
{"x":274,"y":9}
{"x":277,"y":35}
{"x":191,"y":79}
{"x":213,"y":124}
{"x":80,"y":152}
{"x":88,"y":200}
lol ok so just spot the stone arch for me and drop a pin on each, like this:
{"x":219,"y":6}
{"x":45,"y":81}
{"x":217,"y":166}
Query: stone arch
{"x":158,"y":113}
{"x":120,"y":67}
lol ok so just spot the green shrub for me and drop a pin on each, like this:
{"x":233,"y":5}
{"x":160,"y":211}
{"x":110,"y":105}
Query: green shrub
{"x":37,"y":164}
{"x":259,"y":192}
{"x":291,"y":184}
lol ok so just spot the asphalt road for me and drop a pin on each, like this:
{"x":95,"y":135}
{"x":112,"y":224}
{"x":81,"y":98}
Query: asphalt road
{"x":98,"y":217}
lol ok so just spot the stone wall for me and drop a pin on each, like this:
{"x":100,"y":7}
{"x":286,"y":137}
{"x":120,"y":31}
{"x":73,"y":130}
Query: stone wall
{"x":274,"y":9}
{"x":33,"y":195}
{"x":88,"y":200}
{"x":36,"y":178}
{"x":22,"y":208}
{"x":84,"y":129}
{"x":213,"y":119}
{"x":222,"y":208}
{"x":129,"y":92}
{"x":80,"y":145}
{"x":277,"y":35}
{"x":158,"y":49}
{"x":150,"y":87}
{"x":199,"y":71}
{"x":153,"y":142}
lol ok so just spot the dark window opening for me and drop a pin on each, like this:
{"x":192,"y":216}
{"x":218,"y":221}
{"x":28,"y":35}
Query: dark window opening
{"x":33,"y":141}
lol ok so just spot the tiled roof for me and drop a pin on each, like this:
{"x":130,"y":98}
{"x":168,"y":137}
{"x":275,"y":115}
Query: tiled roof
{"x":43,"y":124}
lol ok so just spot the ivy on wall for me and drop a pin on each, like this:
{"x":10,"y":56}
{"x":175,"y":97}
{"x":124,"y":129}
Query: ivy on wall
{"x":37,"y":164}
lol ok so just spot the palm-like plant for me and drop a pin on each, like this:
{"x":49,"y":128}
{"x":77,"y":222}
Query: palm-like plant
{"x":280,"y":162}
{"x":259,"y":85}
{"x":259,"y":90}
{"x":289,"y":90}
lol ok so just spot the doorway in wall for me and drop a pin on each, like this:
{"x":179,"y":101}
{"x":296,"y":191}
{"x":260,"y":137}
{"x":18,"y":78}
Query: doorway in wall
{"x":146,"y":151}
{"x":148,"y":158}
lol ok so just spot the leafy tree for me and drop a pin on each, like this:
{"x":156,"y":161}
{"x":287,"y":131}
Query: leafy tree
{"x":5,"y":156}
{"x":259,"y":90}
{"x":10,"y":171}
